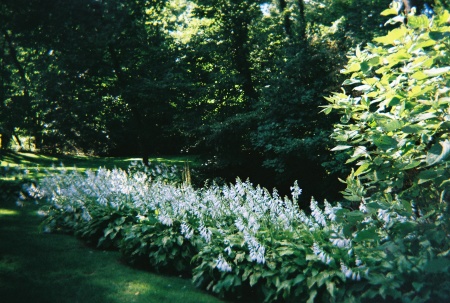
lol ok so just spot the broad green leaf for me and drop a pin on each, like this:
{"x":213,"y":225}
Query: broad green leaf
{"x":300,"y":278}
{"x":391,"y":126}
{"x":312,"y":296}
{"x":444,"y":100}
{"x":374,"y":61}
{"x":438,"y":265}
{"x":412,"y":129}
{"x":439,"y":35}
{"x":420,"y":21}
{"x":438,"y":152}
{"x":425,"y":116}
{"x":389,"y":11}
{"x":366,"y":235}
{"x":429,"y":175}
{"x":352,"y":68}
{"x":355,"y":216}
{"x":393,"y":36}
{"x":385,"y":142}
{"x":419,"y":75}
{"x":412,"y":164}
{"x":362,"y":169}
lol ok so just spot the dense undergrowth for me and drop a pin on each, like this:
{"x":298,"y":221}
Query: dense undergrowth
{"x":388,"y":241}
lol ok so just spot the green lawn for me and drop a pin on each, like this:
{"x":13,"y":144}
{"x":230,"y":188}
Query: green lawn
{"x":39,"y":164}
{"x":40,"y":267}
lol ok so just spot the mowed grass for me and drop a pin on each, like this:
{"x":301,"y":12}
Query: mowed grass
{"x":38,"y":165}
{"x":40,"y":267}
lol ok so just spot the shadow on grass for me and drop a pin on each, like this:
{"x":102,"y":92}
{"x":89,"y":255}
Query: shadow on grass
{"x":39,"y":267}
{"x":46,"y":162}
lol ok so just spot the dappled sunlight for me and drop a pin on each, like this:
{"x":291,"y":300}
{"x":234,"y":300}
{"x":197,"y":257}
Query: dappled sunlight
{"x":138,"y":288}
{"x":8,"y":212}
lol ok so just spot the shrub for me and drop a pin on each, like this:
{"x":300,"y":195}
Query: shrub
{"x":395,"y":124}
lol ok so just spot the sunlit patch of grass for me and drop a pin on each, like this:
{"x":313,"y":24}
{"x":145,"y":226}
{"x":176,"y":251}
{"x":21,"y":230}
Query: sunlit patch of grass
{"x":8,"y":212}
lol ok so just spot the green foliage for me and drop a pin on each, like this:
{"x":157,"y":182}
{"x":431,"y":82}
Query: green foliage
{"x":394,"y":125}
{"x":241,"y":241}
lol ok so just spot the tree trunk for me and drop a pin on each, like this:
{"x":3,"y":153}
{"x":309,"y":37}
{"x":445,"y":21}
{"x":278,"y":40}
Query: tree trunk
{"x":287,"y":16}
{"x":241,"y":54}
{"x":301,"y":5}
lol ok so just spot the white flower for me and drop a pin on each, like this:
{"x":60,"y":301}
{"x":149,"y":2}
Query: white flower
{"x":186,"y":230}
{"x":165,"y":220}
{"x":222,"y":264}
{"x":205,"y":233}
{"x":317,"y":213}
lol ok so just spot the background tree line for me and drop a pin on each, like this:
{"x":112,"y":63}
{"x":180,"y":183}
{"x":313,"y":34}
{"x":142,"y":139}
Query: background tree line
{"x":237,"y":82}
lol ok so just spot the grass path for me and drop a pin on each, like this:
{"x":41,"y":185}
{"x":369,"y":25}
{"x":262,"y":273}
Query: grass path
{"x":39,"y":267}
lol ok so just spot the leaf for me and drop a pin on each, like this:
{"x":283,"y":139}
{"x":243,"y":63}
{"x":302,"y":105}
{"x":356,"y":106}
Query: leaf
{"x":419,"y":75}
{"x":341,"y":147}
{"x":438,"y":152}
{"x":439,"y":265}
{"x":410,"y":165}
{"x":434,"y":72}
{"x":254,"y":278}
{"x":429,"y":175}
{"x":420,"y":21}
{"x":389,"y":11}
{"x":300,"y":278}
{"x":351,"y":81}
{"x":392,"y":125}
{"x":366,"y":235}
{"x":363,"y":169}
{"x":425,"y":116}
{"x":394,"y":35}
{"x":412,"y":129}
{"x":362,"y":88}
{"x":312,"y":296}
{"x":385,"y":142}
{"x":439,"y":35}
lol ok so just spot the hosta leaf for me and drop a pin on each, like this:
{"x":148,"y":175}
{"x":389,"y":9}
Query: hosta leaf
{"x":438,"y":265}
{"x":300,"y":278}
{"x":312,"y":296}
{"x":254,"y":278}
{"x":429,"y":175}
{"x":438,"y":152}
{"x":412,"y":164}
{"x":412,"y":129}
{"x":366,"y":235}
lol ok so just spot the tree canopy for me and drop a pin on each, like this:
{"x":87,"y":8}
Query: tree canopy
{"x":237,"y":82}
